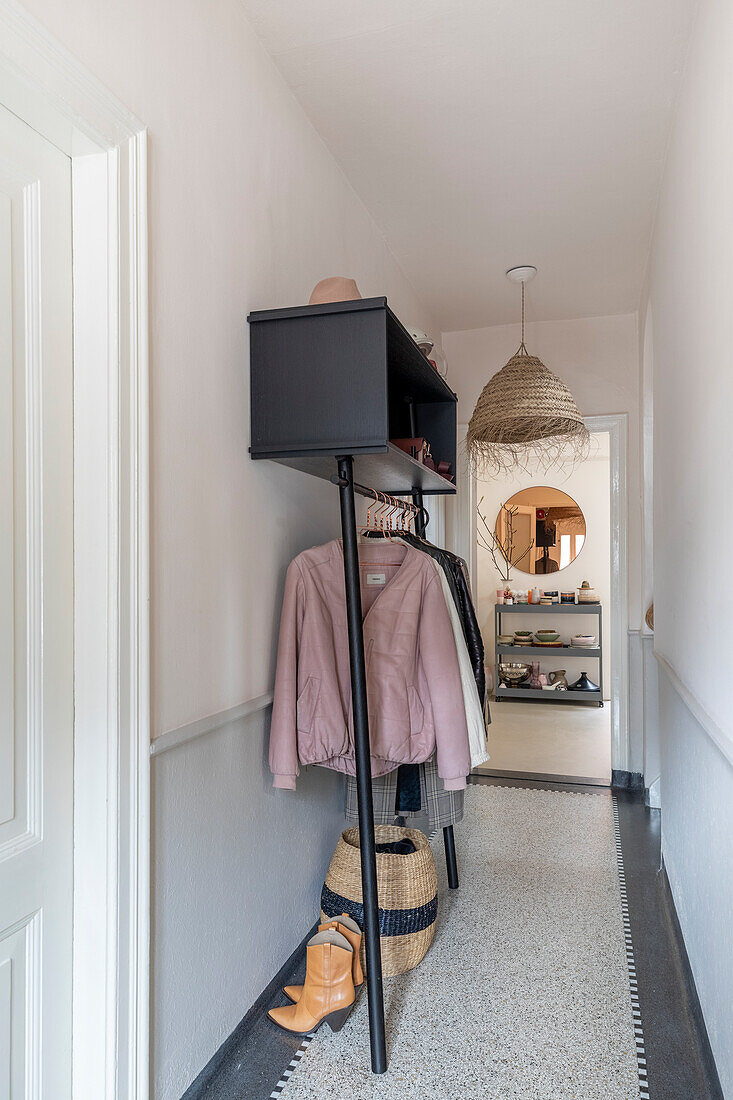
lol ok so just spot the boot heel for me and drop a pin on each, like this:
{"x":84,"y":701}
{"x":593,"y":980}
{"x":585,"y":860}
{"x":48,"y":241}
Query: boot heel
{"x":336,"y":1020}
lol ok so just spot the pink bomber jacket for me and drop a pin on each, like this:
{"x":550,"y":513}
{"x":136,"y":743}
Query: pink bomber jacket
{"x":414,"y":689}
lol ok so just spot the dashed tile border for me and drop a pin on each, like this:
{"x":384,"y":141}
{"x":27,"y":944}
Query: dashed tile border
{"x":294,"y":1062}
{"x":631,"y":962}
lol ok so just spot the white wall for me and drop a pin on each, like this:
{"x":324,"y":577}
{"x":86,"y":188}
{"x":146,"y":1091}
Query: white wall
{"x":690,"y":292}
{"x":589,"y":486}
{"x":247,"y":209}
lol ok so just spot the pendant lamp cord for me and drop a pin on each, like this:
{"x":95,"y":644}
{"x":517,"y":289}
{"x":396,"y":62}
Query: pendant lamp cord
{"x":522,"y":350}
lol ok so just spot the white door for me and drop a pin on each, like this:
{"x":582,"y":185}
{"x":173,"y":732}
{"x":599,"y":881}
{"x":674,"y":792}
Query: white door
{"x":36,"y":623}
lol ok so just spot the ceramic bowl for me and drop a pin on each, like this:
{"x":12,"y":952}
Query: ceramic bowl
{"x":547,"y":636}
{"x":515,"y":672}
{"x":505,"y":639}
{"x":522,"y":633}
{"x":546,"y":630}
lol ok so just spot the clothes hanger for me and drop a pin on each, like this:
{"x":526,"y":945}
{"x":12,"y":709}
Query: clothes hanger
{"x":367,"y":525}
{"x":383,"y":520}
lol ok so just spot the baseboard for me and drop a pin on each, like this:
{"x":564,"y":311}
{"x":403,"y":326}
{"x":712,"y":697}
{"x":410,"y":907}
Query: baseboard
{"x":707,"y":1057}
{"x":627,"y":781}
{"x":652,"y":796}
{"x":543,"y":777}
{"x":199,"y":1088}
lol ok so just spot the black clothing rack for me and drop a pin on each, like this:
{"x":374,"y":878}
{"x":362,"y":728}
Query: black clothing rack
{"x":338,"y":382}
{"x":363,"y":766}
{"x":347,"y":488}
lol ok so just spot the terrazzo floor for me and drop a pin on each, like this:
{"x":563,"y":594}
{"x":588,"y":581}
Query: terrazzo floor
{"x":525,"y":990}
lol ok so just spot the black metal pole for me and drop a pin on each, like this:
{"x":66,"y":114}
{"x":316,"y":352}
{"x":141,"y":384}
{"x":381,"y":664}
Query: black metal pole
{"x":449,"y":840}
{"x":451,"y":863}
{"x":363,"y":767}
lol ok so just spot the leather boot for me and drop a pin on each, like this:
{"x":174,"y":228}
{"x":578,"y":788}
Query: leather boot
{"x":328,"y":993}
{"x":348,"y":927}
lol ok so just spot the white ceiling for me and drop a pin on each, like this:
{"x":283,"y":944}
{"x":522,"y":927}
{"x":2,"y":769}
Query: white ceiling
{"x":482,"y":134}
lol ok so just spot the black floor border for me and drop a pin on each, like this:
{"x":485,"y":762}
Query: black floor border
{"x":544,"y":777}
{"x":641,"y":1062}
{"x":273,"y":1046}
{"x":679,"y":1059}
{"x":706,"y":1051}
{"x":294,"y":1062}
{"x":526,"y":784}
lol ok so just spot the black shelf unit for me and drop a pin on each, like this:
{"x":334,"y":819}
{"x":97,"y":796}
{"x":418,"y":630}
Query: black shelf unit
{"x":330,"y":386}
{"x":521,"y":651}
{"x":588,"y":697}
{"x":346,"y":378}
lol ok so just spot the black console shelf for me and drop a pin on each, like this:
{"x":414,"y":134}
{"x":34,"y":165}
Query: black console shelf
{"x":346,"y":378}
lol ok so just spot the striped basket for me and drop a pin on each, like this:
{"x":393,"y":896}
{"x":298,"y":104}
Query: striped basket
{"x":408,"y":894}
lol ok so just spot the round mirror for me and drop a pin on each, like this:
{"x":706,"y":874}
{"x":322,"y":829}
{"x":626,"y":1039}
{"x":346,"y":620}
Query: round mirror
{"x":540,"y":530}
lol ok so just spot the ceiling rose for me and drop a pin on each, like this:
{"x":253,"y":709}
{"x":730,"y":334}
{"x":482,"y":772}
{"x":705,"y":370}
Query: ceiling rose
{"x":525,"y":412}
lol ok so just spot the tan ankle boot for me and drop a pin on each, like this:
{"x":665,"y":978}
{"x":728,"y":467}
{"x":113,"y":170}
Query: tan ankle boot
{"x":348,"y":928}
{"x":328,"y":993}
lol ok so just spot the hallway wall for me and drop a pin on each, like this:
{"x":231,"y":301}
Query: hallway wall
{"x":247,"y":209}
{"x":690,"y":291}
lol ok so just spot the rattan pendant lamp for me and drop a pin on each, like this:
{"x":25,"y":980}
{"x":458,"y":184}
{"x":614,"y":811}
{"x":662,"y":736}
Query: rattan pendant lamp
{"x":525,"y":412}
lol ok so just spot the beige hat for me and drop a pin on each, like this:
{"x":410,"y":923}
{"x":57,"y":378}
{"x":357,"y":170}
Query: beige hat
{"x":336,"y":289}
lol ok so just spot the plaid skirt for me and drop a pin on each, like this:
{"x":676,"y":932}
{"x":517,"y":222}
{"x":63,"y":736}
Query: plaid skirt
{"x":442,"y":807}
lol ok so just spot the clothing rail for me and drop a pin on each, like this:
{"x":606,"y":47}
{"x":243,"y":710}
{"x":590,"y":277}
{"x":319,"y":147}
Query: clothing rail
{"x":422,"y":516}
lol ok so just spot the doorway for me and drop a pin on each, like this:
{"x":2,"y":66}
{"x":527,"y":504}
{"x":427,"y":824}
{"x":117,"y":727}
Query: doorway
{"x":74,"y":740}
{"x":582,"y":742}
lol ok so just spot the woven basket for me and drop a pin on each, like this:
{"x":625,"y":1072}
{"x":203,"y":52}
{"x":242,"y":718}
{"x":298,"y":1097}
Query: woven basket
{"x":408,"y":895}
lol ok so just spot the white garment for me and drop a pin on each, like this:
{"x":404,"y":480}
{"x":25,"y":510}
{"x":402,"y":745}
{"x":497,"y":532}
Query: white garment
{"x":471,"y":700}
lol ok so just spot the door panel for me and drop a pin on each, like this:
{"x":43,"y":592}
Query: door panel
{"x":36,"y":615}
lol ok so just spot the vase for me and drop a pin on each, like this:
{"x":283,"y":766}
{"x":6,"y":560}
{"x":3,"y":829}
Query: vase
{"x":584,"y":684}
{"x":534,"y":679}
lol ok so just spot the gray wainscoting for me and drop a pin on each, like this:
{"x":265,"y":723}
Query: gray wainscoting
{"x":697,"y":846}
{"x":237,"y":873}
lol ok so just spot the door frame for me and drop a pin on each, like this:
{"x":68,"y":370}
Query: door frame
{"x":47,"y":88}
{"x":464,"y":543}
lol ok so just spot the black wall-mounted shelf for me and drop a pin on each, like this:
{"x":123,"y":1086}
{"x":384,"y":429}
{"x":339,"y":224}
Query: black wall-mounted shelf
{"x":346,"y":378}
